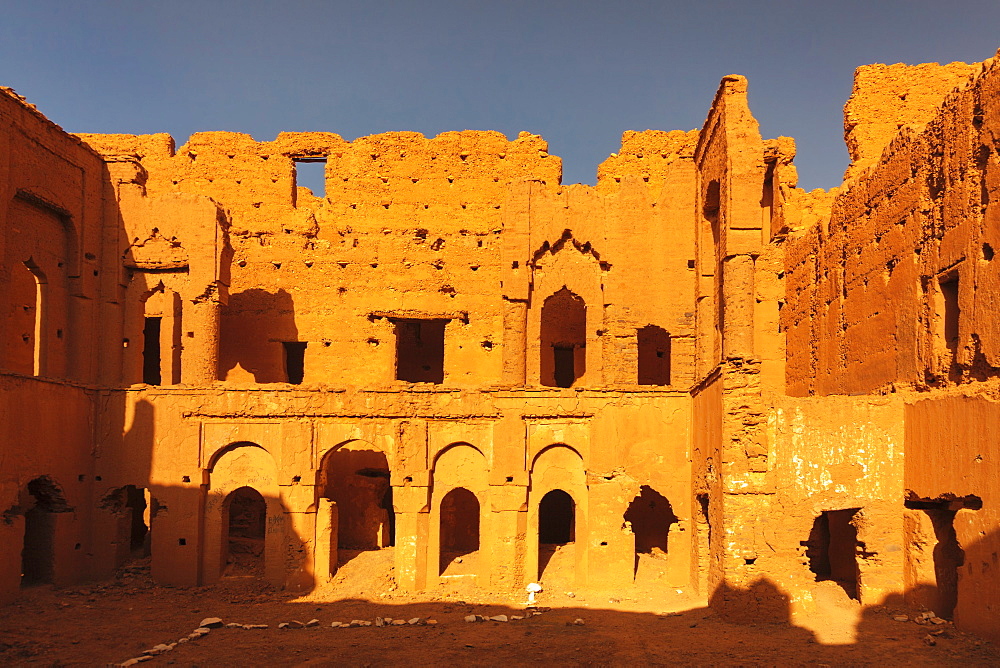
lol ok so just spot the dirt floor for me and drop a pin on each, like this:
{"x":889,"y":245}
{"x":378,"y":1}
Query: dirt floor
{"x":117,"y":620}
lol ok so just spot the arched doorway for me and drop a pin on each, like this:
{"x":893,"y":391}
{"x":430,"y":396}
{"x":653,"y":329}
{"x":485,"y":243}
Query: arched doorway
{"x":556,"y":530}
{"x":459,"y":533}
{"x":563,"y":339}
{"x":245,"y":513}
{"x":356,"y":478}
{"x":38,"y":553}
{"x":650,"y":518}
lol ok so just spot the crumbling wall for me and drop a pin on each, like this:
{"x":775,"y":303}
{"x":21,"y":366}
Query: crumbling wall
{"x":907,"y":248}
{"x":830,"y":454}
{"x":951,"y":458}
{"x":422,"y":228}
{"x":52,"y":295}
{"x":896,"y":292}
{"x":887,"y":98}
{"x":622,"y":440}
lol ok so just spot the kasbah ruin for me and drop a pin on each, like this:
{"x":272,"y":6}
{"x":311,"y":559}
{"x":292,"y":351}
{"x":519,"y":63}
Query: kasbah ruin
{"x":692,"y":376}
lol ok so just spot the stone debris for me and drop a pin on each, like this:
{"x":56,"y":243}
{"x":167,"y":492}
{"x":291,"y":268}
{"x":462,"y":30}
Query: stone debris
{"x":498,"y":618}
{"x":379,"y":622}
{"x":183,"y":640}
{"x":312,"y":622}
{"x":930,"y":640}
{"x":254,"y":626}
{"x":211,"y":623}
{"x":432,"y":621}
{"x":578,"y":622}
{"x":471,"y":618}
{"x":159,"y":649}
{"x":337,"y":625}
{"x":415,"y":620}
{"x":901,"y":618}
{"x":138,"y":659}
{"x":398,"y":622}
{"x":234,"y":625}
{"x":515,"y":618}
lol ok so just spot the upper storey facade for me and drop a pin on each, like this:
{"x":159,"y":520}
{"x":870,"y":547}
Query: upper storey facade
{"x":457,"y":260}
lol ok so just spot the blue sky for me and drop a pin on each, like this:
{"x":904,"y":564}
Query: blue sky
{"x":578,"y":73}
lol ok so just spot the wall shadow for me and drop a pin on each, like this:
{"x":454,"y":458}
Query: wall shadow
{"x":254,"y":327}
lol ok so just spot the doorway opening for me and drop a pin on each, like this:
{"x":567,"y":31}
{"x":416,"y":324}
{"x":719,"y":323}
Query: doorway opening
{"x":357,"y":480}
{"x":832,"y":550}
{"x":556,"y":532}
{"x":948,"y":554}
{"x":650,"y":517}
{"x":459,"y":532}
{"x":563,"y":339}
{"x":246,"y":521}
{"x":38,"y":553}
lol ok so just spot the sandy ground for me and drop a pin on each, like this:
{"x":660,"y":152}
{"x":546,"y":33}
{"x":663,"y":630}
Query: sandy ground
{"x":114,"y":621}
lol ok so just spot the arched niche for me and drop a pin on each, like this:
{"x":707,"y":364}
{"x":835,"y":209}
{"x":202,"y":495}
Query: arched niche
{"x":235,"y":466}
{"x":245,"y":523}
{"x":650,"y":517}
{"x":557,"y":498}
{"x":41,"y":250}
{"x":455,"y":515}
{"x":574,"y":267}
{"x":563,"y":344}
{"x":355,"y":511}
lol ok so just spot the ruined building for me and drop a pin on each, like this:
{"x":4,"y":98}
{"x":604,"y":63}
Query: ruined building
{"x":692,"y":372}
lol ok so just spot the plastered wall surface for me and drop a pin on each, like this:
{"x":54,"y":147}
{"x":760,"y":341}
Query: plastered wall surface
{"x":692,"y":375}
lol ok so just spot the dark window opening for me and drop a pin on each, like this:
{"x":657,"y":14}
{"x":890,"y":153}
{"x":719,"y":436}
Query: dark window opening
{"x":310,"y":173}
{"x":295,"y":356}
{"x":565,"y":366}
{"x":420,"y":350}
{"x":563,"y":339}
{"x":246,"y":522}
{"x":832,"y":550}
{"x":948,"y":315}
{"x":459,"y":528}
{"x":654,"y":355}
{"x":151,"y":351}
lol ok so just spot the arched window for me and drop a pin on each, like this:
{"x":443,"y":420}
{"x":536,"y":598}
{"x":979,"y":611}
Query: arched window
{"x":563,"y":339}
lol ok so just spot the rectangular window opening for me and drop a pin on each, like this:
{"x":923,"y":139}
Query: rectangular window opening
{"x":420,"y":350}
{"x":151,"y":351}
{"x":295,"y":355}
{"x":950,"y":312}
{"x":311,"y":173}
{"x":565,"y":365}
